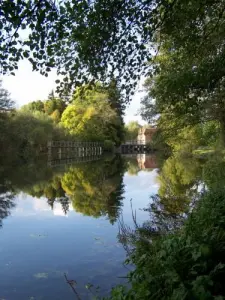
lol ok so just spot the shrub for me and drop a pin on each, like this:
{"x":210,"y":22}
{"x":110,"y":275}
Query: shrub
{"x":186,"y":264}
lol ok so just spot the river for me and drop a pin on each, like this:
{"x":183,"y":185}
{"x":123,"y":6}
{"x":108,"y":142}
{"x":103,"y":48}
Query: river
{"x":62,"y":221}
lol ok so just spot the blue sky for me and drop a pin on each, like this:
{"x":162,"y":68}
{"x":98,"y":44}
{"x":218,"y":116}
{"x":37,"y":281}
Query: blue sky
{"x":27,"y":86}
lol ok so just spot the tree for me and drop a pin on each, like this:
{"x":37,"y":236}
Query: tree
{"x":108,"y":40}
{"x":33,"y":106}
{"x":111,"y":94}
{"x":26,"y":134}
{"x":6,"y":102}
{"x":91,"y":117}
{"x":117,"y":103}
{"x":6,"y":105}
{"x":56,"y":116}
{"x":188,"y":85}
{"x":89,"y":123}
{"x":52,"y":107}
{"x":132,"y":129}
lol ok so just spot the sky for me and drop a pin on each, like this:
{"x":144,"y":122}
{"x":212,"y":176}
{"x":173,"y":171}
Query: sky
{"x":27,"y":86}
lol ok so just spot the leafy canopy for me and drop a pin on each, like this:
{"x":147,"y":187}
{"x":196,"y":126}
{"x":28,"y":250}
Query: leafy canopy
{"x":93,"y":116}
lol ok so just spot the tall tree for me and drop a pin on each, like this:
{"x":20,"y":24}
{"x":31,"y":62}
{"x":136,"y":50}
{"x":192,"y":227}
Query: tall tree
{"x":188,"y":87}
{"x":95,"y":114}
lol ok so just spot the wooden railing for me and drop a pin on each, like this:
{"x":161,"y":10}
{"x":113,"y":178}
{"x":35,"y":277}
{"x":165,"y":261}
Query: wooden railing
{"x":69,"y":144}
{"x":66,"y":150}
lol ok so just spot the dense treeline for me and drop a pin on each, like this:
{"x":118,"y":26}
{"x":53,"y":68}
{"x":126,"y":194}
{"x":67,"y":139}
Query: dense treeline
{"x":92,"y":115}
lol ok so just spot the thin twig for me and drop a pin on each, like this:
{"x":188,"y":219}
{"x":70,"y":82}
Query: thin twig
{"x":70,"y":282}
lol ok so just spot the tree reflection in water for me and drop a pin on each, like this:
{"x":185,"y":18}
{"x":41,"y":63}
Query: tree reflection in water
{"x":96,"y":189}
{"x":6,"y":202}
{"x":91,"y":188}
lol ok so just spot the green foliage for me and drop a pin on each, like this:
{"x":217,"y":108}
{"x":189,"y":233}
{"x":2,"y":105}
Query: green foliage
{"x":186,"y":139}
{"x":159,"y":143}
{"x":5,"y":101}
{"x":117,"y":40}
{"x":131,"y":130}
{"x":108,"y":145}
{"x":102,"y":47}
{"x":27,"y":134}
{"x":95,"y":189}
{"x":93,"y":117}
{"x":33,"y":106}
{"x":188,"y":86}
{"x":214,"y":172}
{"x":188,"y":264}
{"x":53,"y":107}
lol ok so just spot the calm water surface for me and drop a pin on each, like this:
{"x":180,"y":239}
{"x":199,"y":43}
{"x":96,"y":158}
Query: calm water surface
{"x":57,"y":220}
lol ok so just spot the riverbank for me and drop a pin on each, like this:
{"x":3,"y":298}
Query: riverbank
{"x":181,"y":255}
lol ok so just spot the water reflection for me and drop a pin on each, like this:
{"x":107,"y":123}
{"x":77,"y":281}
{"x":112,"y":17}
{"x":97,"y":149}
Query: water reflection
{"x":6,"y":205}
{"x":38,"y":244}
{"x":138,"y":162}
{"x":92,"y":188}
{"x":182,"y":180}
{"x":96,"y":188}
{"x":7,"y":196}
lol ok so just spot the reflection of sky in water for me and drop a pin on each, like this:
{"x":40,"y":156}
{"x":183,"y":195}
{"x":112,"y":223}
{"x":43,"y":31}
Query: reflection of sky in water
{"x":139,"y":189}
{"x":37,"y":245}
